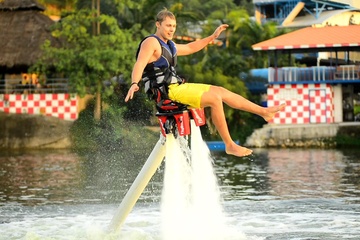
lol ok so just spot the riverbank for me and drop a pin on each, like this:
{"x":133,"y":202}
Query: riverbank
{"x":36,"y":131}
{"x":20,"y":131}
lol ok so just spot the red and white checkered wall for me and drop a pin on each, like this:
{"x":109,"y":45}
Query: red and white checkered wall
{"x":305,"y":103}
{"x":63,"y":106}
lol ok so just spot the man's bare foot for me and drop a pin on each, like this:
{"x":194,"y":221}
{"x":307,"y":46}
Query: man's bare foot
{"x":271,"y":111}
{"x":237,"y":150}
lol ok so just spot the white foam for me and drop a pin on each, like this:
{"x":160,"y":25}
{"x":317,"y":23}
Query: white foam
{"x":191,"y":202}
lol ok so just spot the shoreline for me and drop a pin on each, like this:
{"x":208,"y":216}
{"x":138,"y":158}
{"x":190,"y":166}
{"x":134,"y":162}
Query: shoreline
{"x":330,"y":135}
{"x":22,"y":131}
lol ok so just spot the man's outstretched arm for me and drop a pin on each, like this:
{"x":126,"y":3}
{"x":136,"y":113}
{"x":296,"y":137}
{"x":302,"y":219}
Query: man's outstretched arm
{"x":189,"y":48}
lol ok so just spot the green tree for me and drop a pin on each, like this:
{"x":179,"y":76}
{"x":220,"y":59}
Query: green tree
{"x":128,"y":12}
{"x":89,"y":61}
{"x":247,"y":32}
{"x":205,"y":8}
{"x":246,"y":4}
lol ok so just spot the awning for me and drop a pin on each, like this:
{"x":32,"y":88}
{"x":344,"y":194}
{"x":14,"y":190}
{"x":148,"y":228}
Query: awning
{"x":307,"y":38}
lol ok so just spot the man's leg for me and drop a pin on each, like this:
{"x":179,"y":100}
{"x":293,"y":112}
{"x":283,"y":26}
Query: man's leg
{"x":236,"y":101}
{"x":215,"y":97}
{"x":214,"y":101}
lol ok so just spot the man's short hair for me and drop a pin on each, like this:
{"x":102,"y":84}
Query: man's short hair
{"x":163,"y":14}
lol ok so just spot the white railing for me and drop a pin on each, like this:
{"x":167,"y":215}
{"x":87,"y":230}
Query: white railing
{"x":19,"y":86}
{"x":347,"y":72}
{"x":314,"y":74}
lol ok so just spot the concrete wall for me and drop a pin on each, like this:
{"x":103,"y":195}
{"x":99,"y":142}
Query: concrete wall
{"x":338,"y":113}
{"x":293,"y":135}
{"x":298,"y":135}
{"x":20,"y":131}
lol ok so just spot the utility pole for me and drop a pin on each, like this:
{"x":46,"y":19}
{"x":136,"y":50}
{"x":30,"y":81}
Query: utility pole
{"x":94,"y":23}
{"x":98,"y":15}
{"x":95,"y":5}
{"x":96,"y":32}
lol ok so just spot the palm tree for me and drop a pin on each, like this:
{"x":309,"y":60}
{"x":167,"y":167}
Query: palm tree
{"x":246,"y":32}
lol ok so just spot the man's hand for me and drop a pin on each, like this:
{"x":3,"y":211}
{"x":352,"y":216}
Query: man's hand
{"x":219,"y":30}
{"x":134,"y":88}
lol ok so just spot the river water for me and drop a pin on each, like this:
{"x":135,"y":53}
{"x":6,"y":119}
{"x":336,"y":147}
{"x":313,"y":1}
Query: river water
{"x":275,"y":194}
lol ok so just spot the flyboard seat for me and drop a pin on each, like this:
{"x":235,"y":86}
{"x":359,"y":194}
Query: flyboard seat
{"x":175,"y":117}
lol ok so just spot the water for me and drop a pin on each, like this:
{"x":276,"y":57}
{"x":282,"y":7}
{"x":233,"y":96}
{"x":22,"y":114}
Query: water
{"x":191,"y":207}
{"x":277,"y":194}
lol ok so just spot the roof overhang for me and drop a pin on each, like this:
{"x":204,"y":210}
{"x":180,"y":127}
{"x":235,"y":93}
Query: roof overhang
{"x":319,"y":39}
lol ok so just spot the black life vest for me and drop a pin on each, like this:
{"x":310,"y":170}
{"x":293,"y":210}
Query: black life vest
{"x":158,"y":75}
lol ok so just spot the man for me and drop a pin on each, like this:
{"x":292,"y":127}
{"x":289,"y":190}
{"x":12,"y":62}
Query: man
{"x":157,"y":54}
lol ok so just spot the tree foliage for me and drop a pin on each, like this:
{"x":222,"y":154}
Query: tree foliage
{"x":89,"y":61}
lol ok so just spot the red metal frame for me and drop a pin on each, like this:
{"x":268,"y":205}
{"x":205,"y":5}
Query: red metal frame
{"x":182,"y":120}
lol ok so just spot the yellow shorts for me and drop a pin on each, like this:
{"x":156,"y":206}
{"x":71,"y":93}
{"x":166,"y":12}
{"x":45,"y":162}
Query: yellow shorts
{"x":188,"y":93}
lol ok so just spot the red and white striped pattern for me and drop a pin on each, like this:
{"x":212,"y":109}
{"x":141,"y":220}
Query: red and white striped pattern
{"x":63,"y":106}
{"x":305,"y":103}
{"x":310,"y":37}
{"x":303,"y":46}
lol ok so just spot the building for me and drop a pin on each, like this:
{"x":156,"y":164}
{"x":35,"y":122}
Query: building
{"x":23,"y":29}
{"x":304,"y":13}
{"x":325,"y":41}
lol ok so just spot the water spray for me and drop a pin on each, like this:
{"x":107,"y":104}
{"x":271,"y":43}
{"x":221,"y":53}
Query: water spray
{"x":174,"y":120}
